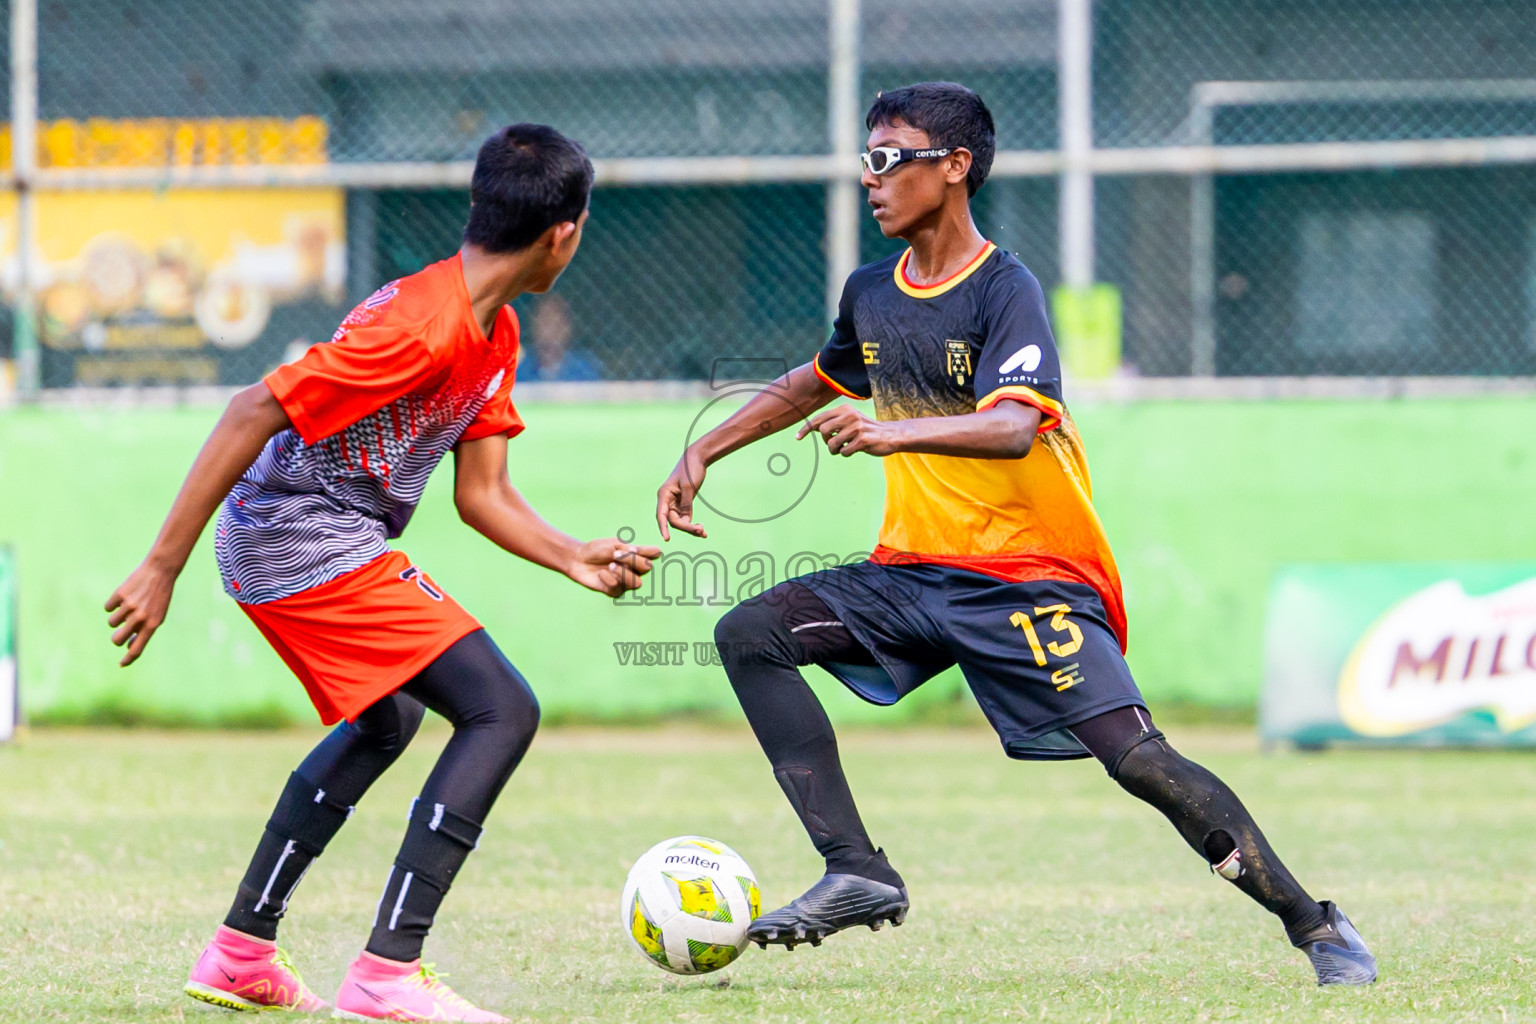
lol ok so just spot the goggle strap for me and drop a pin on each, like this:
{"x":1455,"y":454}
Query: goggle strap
{"x":883,"y":154}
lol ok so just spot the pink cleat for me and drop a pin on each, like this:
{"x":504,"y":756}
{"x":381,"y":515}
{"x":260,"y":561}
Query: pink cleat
{"x":241,"y":972}
{"x":379,"y":989}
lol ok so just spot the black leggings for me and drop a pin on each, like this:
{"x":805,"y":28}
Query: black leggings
{"x":493,"y":713}
{"x":763,"y":642}
{"x":494,"y":716}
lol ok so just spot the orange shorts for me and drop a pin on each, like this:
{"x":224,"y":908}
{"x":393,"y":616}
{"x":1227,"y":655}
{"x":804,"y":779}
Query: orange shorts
{"x":363,"y":635}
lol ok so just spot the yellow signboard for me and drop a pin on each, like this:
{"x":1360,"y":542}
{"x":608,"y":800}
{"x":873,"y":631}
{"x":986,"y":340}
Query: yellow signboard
{"x":181,"y":286}
{"x":176,"y":142}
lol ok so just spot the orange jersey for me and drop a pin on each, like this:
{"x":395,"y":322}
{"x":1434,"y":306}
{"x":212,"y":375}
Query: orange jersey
{"x":958,"y":346}
{"x":408,"y":375}
{"x":414,"y":337}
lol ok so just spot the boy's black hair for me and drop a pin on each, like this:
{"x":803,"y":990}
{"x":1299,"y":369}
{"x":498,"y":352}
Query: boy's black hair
{"x":528,"y":178}
{"x":951,"y":114}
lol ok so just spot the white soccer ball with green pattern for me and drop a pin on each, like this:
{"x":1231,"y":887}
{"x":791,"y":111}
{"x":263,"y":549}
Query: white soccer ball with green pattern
{"x":687,"y":904}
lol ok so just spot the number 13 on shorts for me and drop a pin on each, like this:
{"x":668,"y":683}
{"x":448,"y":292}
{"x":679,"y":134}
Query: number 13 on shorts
{"x":1062,"y":626}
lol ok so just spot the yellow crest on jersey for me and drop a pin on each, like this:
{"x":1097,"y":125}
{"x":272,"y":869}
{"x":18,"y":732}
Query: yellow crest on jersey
{"x":959,"y":353}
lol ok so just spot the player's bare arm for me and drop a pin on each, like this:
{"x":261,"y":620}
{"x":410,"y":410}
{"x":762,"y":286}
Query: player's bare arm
{"x":490,"y":505}
{"x":139,"y":604}
{"x":1005,"y":431}
{"x":790,"y":399}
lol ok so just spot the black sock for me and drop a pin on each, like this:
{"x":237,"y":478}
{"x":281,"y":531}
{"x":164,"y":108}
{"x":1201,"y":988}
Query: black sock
{"x":1271,"y":885}
{"x":301,"y":825}
{"x":760,"y":649}
{"x":437,"y":842}
{"x":1214,"y":822}
{"x":821,"y":798}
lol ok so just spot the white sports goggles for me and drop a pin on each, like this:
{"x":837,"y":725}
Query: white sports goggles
{"x":883,"y":159}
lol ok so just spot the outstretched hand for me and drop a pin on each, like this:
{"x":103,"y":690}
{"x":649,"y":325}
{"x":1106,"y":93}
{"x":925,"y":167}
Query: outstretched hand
{"x":612,"y":567}
{"x":138,"y":608}
{"x":674,"y":502}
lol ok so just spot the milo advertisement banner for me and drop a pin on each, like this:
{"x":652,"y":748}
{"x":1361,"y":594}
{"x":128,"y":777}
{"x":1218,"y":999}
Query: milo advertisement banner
{"x":1432,"y":654}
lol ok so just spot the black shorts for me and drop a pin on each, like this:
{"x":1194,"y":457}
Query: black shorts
{"x":1039,"y":656}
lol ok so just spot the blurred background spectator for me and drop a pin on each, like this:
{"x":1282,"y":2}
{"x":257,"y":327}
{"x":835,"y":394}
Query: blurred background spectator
{"x":547,"y":353}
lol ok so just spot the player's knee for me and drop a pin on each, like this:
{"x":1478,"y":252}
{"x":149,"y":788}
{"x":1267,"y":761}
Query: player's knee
{"x":1145,"y":760}
{"x":529,"y":711}
{"x":734,"y":626}
{"x":513,"y":713}
{"x":410,"y":714}
{"x":390,"y":724}
{"x":480,"y":690}
{"x":1196,"y":801}
{"x":1149,"y":768}
{"x":750,"y":633}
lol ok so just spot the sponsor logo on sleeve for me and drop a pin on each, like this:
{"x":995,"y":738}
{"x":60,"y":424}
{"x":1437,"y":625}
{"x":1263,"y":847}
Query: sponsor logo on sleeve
{"x":1026,"y":359}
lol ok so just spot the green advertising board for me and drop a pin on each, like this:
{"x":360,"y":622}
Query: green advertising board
{"x":1422,"y":654}
{"x":9,"y":707}
{"x":1202,"y":502}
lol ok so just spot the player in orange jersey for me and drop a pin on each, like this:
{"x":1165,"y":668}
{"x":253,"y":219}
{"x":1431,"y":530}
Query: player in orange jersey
{"x":990,"y":556}
{"x":313,"y":471}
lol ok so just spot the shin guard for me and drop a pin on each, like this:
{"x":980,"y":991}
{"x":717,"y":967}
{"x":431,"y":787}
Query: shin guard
{"x":437,"y":842}
{"x":303,"y":823}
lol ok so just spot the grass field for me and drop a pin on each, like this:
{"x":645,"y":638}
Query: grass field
{"x":1040,"y":892}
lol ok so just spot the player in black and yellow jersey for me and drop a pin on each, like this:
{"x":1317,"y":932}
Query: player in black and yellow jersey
{"x":990,"y":555}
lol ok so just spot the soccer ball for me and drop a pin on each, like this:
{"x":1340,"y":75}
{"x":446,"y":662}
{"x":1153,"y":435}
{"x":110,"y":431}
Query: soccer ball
{"x":687,"y":903}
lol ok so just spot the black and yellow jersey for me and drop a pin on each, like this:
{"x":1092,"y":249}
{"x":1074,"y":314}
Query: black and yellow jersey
{"x":963,"y":345}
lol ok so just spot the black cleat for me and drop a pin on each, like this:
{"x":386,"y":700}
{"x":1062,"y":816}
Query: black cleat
{"x":832,"y":904}
{"x":1338,"y":954}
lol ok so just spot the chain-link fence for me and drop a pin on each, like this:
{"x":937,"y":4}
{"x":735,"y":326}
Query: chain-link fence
{"x":1281,"y":187}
